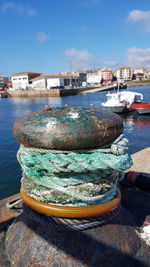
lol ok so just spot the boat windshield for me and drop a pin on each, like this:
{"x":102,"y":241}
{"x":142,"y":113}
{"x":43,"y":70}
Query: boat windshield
{"x":113,"y":96}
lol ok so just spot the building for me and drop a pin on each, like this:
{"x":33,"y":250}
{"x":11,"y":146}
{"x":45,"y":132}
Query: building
{"x":53,"y":81}
{"x":93,"y":77}
{"x":142,"y":73}
{"x":139,"y":70}
{"x":3,"y":81}
{"x":124,"y":74}
{"x":82,"y":79}
{"x":138,"y":74}
{"x":9,"y":84}
{"x":22,"y":80}
{"x":106,"y":76}
{"x":147,"y":74}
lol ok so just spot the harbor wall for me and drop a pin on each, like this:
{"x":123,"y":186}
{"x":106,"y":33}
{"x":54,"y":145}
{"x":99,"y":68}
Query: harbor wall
{"x":54,"y":92}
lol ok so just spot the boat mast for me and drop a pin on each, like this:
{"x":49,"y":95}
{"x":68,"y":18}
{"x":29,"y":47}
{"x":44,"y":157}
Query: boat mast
{"x":118,"y":87}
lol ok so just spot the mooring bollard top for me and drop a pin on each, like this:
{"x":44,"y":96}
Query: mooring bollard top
{"x":67,"y":128}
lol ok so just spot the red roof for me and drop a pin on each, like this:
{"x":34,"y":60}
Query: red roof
{"x":138,"y":74}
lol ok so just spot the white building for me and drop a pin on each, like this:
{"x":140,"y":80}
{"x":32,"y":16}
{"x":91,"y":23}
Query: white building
{"x":147,"y":74}
{"x":50,"y":81}
{"x":124,"y":74}
{"x":22,"y":80}
{"x":139,"y":70}
{"x":93,"y":77}
{"x":143,"y":73}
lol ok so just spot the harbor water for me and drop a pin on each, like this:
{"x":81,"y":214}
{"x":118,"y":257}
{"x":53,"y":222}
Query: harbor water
{"x":137,"y":129}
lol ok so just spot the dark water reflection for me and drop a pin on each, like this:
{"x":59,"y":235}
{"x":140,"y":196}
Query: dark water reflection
{"x":137,"y":129}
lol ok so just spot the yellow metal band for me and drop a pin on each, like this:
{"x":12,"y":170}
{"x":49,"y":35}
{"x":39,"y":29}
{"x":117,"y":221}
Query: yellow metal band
{"x":71,"y":212}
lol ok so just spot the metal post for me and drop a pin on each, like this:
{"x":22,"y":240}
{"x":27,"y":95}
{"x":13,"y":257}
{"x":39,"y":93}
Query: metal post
{"x":70,"y":72}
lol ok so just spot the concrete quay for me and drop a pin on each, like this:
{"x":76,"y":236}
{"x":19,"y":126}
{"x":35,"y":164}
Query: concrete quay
{"x":99,"y":89}
{"x":56,"y":92}
{"x":141,"y":161}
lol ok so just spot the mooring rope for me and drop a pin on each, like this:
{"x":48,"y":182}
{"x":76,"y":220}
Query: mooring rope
{"x":13,"y":202}
{"x":56,"y":224}
{"x":78,"y":177}
{"x":117,"y":147}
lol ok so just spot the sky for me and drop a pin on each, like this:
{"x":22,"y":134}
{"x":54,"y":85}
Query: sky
{"x":53,"y":36}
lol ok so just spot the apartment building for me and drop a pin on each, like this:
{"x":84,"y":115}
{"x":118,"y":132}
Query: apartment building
{"x":93,"y":77}
{"x":106,"y":75}
{"x":124,"y":73}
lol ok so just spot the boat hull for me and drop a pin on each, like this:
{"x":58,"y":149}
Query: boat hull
{"x":143,"y":111}
{"x":143,"y":108}
{"x":116,"y":109}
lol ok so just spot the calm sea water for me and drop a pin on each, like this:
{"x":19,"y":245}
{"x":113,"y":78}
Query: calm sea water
{"x":137,"y":129}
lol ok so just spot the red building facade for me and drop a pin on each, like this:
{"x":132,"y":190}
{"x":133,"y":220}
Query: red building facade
{"x":106,"y":75}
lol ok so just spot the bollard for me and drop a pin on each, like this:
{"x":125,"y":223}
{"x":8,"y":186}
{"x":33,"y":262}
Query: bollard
{"x":72,"y":160}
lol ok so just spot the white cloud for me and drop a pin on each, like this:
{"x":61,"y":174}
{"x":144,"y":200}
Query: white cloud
{"x":138,"y":16}
{"x":138,"y":57}
{"x":81,"y":59}
{"x":18,"y":8}
{"x":110,"y":63}
{"x":42,"y":37}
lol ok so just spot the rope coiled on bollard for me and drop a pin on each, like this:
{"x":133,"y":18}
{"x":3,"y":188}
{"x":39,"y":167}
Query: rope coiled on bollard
{"x":79,"y":177}
{"x":56,"y":224}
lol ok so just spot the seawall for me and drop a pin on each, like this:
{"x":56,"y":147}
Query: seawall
{"x":55,"y":92}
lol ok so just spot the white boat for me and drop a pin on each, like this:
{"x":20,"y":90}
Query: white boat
{"x":114,"y":103}
{"x":130,"y":97}
{"x":120,"y":102}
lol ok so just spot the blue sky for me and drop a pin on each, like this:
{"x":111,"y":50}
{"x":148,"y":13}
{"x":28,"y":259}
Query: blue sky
{"x":50,"y":36}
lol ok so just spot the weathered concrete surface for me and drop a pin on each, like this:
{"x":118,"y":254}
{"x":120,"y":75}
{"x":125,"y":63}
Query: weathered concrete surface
{"x":55,"y":92}
{"x":99,"y":89}
{"x":7,"y":213}
{"x":141,"y":161}
{"x":33,"y":93}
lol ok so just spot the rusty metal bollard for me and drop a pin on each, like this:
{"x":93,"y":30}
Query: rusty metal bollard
{"x":72,"y":160}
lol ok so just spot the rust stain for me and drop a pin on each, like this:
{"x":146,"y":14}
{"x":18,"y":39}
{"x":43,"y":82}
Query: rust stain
{"x":33,"y":262}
